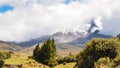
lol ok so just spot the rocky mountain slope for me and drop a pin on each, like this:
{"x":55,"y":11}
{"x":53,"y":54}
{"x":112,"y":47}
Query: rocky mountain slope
{"x":70,"y":37}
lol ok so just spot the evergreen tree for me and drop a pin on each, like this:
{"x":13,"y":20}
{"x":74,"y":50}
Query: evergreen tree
{"x":46,"y":54}
{"x":36,"y":51}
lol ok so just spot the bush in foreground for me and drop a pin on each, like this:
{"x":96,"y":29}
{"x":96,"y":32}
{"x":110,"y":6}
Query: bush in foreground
{"x":66,"y":59}
{"x":116,"y":61}
{"x":3,"y":56}
{"x":104,"y":62}
{"x":96,"y":49}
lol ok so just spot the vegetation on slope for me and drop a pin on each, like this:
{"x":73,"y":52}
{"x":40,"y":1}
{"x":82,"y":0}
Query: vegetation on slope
{"x":4,"y":55}
{"x":107,"y":49}
{"x":67,"y":65}
{"x":47,"y":55}
{"x":97,"y":53}
{"x":19,"y":60}
{"x":67,"y":59}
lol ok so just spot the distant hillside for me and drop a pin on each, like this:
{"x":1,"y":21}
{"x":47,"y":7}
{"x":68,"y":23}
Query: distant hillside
{"x":63,"y":49}
{"x":9,"y":46}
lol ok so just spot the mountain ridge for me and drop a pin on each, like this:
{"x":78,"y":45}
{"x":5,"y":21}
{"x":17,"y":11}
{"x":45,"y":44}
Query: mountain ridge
{"x":70,"y":36}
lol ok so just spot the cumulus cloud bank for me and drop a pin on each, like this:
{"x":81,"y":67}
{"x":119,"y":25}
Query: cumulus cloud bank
{"x":34,"y":18}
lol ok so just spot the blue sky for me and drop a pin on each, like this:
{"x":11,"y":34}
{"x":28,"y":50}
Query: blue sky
{"x":5,"y":8}
{"x":67,"y":1}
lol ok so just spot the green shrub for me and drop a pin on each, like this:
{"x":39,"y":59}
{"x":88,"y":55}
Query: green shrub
{"x":30,"y":57}
{"x":64,"y":63}
{"x":116,"y":61}
{"x":105,"y":61}
{"x":1,"y":63}
{"x":11,"y":52}
{"x":66,"y":59}
{"x":69,"y":59}
{"x":60,"y":60}
{"x":96,"y":49}
{"x":3,"y":56}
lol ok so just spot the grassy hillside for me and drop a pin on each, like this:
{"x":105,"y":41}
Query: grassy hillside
{"x":67,"y":65}
{"x":22,"y":60}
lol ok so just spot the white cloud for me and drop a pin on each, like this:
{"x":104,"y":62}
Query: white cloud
{"x":34,"y":18}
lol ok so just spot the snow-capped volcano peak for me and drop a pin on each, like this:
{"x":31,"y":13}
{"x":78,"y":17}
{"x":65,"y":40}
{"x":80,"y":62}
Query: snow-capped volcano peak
{"x":80,"y":29}
{"x":95,"y":24}
{"x":77,"y":35}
